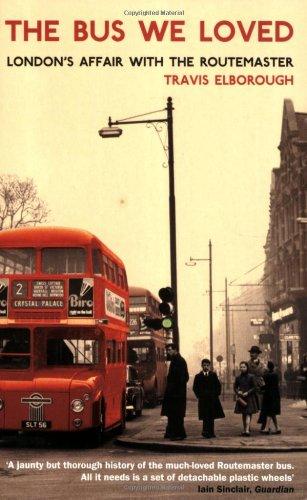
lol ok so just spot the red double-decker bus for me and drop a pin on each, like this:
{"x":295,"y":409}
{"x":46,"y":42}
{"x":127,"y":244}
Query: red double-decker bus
{"x":146,"y":347}
{"x":63,"y":332}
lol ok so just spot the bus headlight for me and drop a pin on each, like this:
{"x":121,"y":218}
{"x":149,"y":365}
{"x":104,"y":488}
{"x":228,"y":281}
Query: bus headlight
{"x":77,"y":405}
{"x":1,"y":404}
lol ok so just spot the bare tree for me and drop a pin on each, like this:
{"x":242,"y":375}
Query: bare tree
{"x":19,"y":203}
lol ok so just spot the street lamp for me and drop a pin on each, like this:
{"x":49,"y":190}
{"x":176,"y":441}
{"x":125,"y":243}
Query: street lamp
{"x":194,"y":262}
{"x":112,"y":131}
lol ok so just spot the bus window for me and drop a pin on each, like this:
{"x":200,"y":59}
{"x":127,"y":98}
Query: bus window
{"x":121,"y":278}
{"x":63,"y":260}
{"x":116,"y":274}
{"x":143,"y":353}
{"x":120,"y":352}
{"x":17,"y":261}
{"x":69,"y":346}
{"x":14,"y":344}
{"x":72,"y":352}
{"x":97,"y":261}
{"x":111,"y":351}
{"x":111,"y":270}
{"x":106,"y":269}
{"x":114,"y":351}
{"x":124,"y":351}
{"x":138,"y":300}
{"x":58,"y":353}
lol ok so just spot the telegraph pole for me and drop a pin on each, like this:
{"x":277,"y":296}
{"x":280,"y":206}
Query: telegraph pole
{"x":193,"y":262}
{"x":210,"y":302}
{"x":227,"y":335}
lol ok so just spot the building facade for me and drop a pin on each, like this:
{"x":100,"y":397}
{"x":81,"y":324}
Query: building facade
{"x":285,"y":275}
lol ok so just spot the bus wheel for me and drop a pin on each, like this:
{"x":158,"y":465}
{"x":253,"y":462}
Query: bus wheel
{"x":95,"y":436}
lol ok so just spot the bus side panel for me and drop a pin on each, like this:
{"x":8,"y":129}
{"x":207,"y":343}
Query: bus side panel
{"x":115,"y":375}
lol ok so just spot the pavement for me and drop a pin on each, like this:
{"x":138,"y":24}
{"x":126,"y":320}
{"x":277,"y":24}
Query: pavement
{"x":292,"y":421}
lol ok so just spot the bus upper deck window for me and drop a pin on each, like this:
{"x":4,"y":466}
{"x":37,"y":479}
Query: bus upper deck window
{"x":17,"y":260}
{"x":97,"y":261}
{"x":106,"y":270}
{"x":63,"y":260}
{"x":121,"y":277}
{"x":111,"y":270}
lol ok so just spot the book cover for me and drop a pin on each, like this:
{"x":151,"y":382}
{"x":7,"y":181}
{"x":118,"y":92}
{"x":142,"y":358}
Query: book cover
{"x":176,"y":133}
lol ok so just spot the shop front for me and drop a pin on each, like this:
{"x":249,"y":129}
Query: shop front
{"x":287,"y":327}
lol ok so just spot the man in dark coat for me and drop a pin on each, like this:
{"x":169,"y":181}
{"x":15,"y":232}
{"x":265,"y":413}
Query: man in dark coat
{"x":207,"y":389}
{"x":175,"y":396}
{"x":271,"y":399}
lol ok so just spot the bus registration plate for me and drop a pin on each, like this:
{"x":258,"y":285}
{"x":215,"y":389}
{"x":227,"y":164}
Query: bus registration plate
{"x":36,"y":424}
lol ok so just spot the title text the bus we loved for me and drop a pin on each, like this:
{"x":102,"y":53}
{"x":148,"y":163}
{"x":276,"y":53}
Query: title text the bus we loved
{"x":49,"y":30}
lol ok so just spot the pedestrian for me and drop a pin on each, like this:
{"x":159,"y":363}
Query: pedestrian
{"x":303,"y":379}
{"x":207,"y":389}
{"x":271,"y":399}
{"x":175,"y":396}
{"x":257,"y":368}
{"x":246,"y":399}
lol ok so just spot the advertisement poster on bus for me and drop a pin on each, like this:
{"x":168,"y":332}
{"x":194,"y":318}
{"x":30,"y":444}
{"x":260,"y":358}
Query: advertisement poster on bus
{"x":163,"y":143}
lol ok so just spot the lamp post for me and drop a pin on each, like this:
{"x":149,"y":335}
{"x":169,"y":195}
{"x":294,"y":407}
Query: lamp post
{"x":113,"y":131}
{"x":210,"y":296}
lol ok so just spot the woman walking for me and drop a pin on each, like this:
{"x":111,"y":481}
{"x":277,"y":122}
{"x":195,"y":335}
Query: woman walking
{"x":271,"y":400}
{"x":246,"y":402}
